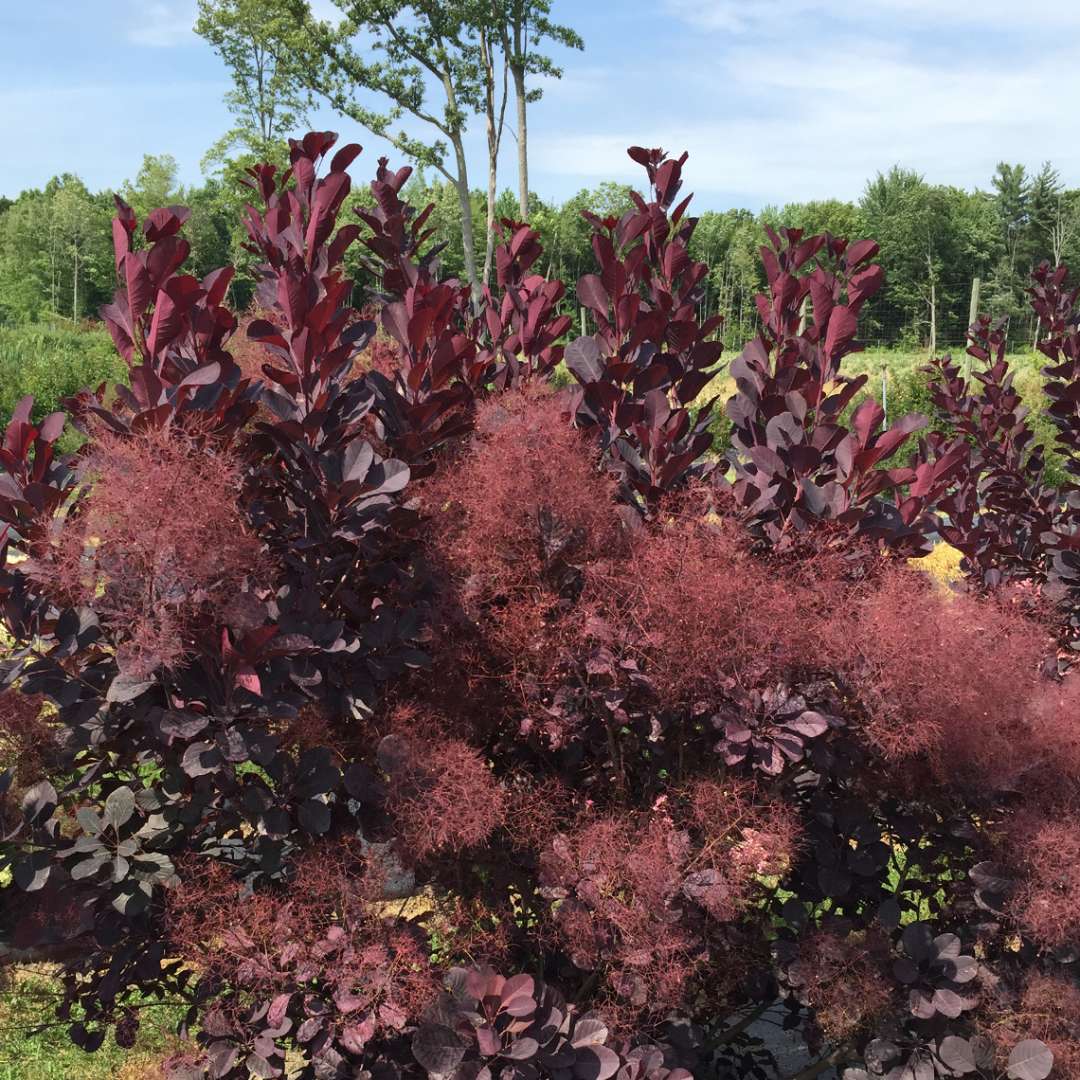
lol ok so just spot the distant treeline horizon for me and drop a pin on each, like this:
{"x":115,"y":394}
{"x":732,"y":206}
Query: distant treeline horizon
{"x":56,"y":247}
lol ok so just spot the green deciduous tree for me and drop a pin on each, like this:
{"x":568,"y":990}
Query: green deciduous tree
{"x":395,"y":51}
{"x":266,"y":98}
{"x":728,"y":243}
{"x":565,"y":233}
{"x":934,"y":239}
{"x":446,"y":219}
{"x":156,"y":184}
{"x":523,"y":26}
{"x":430,"y":64}
{"x":25,"y":282}
{"x":55,"y":252}
{"x":80,"y":223}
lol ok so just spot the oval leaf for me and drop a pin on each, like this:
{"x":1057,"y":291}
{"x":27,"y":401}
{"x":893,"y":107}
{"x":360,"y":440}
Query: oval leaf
{"x":1030,"y":1060}
{"x":438,"y":1049}
{"x":119,"y":807}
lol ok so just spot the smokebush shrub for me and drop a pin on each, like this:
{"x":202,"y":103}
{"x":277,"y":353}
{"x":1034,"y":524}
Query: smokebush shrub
{"x":399,"y":712}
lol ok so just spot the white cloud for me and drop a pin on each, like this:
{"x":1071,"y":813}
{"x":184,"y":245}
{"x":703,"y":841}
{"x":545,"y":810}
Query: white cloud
{"x":735,"y":16}
{"x":739,"y":16}
{"x":578,"y":84}
{"x":987,"y":13}
{"x":792,"y":131}
{"x":162,"y":24}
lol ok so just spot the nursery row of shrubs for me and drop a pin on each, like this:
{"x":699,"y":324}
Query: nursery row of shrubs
{"x":425,"y":716}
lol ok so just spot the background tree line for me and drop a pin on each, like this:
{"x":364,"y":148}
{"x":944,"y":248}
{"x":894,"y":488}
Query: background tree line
{"x":56,"y":246}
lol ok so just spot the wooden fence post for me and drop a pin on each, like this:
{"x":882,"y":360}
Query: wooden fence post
{"x":973,"y":314}
{"x":973,"y":309}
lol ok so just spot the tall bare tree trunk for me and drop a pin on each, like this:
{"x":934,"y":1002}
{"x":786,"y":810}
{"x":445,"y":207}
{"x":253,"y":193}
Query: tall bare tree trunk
{"x":461,"y":183}
{"x":54,"y":268}
{"x":489,"y":228}
{"x":515,"y":41}
{"x":522,"y":141}
{"x":494,"y":116}
{"x":933,"y":305}
{"x":1061,"y":232}
{"x":973,"y":314}
{"x":516,"y":37}
{"x":468,"y":240}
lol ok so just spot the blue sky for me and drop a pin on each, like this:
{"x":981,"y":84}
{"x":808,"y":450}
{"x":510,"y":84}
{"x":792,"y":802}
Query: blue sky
{"x":776,"y":100}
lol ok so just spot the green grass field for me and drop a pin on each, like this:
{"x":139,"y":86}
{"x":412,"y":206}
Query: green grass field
{"x":28,"y":1001}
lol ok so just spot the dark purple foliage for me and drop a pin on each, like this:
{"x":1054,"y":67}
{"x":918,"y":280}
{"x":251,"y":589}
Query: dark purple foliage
{"x":518,"y":1027}
{"x":650,"y":356}
{"x":797,"y":462}
{"x":524,"y":326}
{"x":998,"y":508}
{"x":1011,"y":526}
{"x":771,"y":731}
